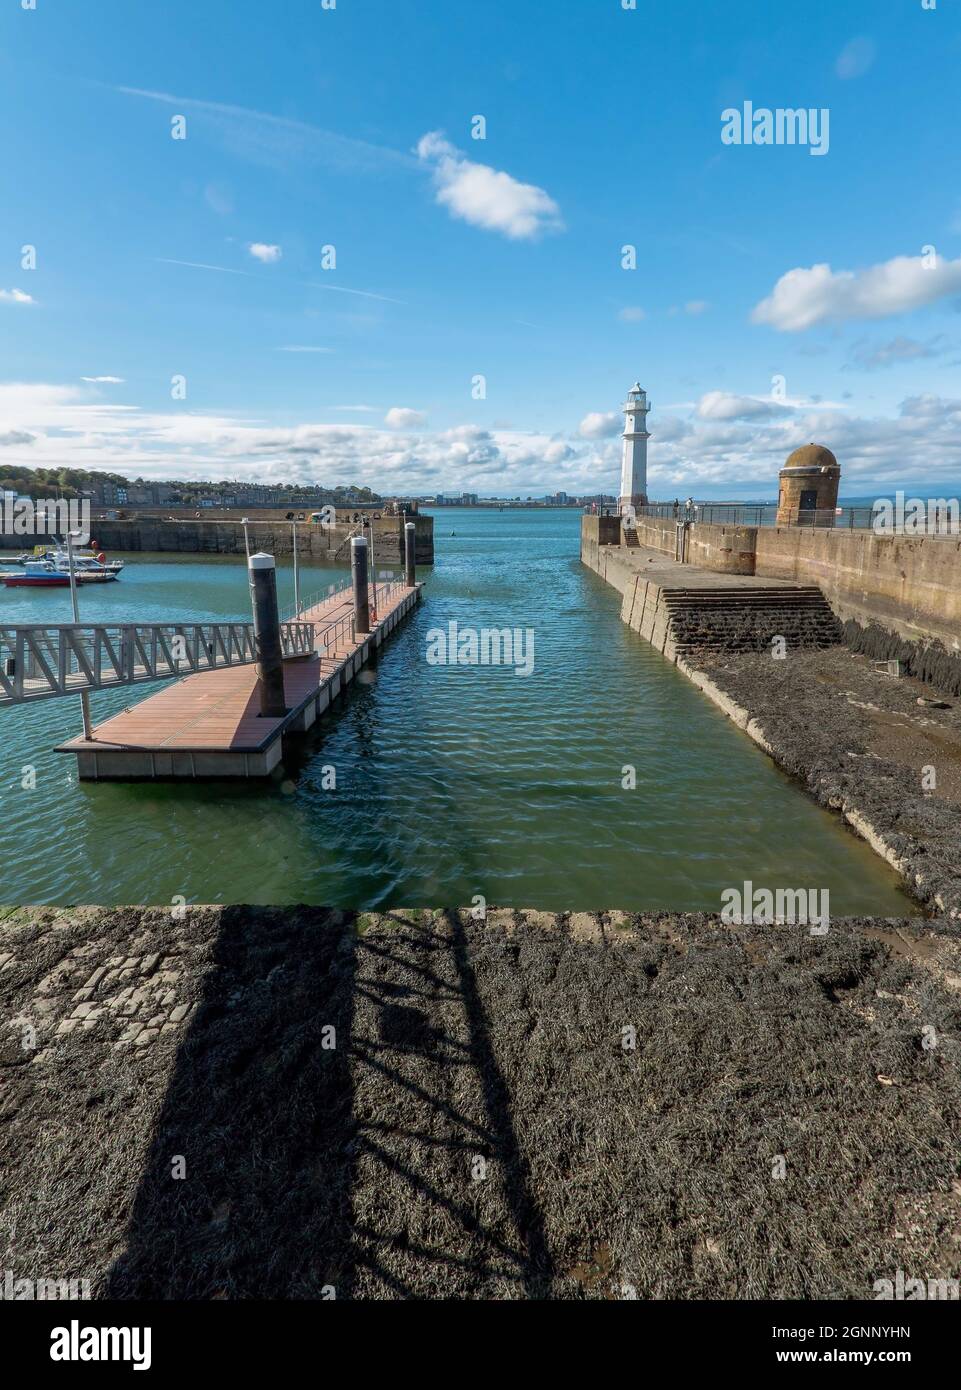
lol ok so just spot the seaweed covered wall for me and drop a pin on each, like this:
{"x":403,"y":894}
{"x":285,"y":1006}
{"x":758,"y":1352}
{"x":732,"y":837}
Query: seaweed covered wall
{"x":926,"y":661}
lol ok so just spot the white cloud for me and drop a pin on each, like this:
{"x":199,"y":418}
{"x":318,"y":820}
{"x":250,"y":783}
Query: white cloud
{"x":632,"y":314}
{"x":17,"y":297}
{"x":742,"y":457}
{"x":72,"y":427}
{"x":696,"y":306}
{"x":107,"y":380}
{"x":487,"y":197}
{"x":805,"y":297}
{"x":723,"y":405}
{"x":401,"y":418}
{"x":263,"y":252}
{"x":856,"y":57}
{"x":49,"y":425}
{"x":600,"y":425}
{"x":558,"y":451}
{"x":872,"y":356}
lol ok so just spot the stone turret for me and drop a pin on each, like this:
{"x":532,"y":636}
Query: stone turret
{"x":809,"y":483}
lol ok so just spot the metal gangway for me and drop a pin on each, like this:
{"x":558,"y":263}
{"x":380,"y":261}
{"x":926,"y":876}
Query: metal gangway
{"x":39,"y":662}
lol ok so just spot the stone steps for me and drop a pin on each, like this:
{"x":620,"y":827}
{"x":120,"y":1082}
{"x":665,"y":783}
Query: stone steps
{"x":745,"y":619}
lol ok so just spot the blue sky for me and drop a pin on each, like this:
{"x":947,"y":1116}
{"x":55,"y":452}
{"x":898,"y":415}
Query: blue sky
{"x":202,"y":258}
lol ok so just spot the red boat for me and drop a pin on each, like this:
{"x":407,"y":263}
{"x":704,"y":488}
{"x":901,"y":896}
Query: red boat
{"x":36,"y":574}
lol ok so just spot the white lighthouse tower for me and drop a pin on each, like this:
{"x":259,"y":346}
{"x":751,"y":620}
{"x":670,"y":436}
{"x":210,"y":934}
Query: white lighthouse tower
{"x":634,"y":455}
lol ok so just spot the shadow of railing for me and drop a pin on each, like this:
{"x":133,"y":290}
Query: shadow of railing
{"x":442,"y":1202}
{"x":257,"y":1118}
{"x":377,"y":1161}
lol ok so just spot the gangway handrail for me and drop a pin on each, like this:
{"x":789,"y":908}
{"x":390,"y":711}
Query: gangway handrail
{"x":40,"y":661}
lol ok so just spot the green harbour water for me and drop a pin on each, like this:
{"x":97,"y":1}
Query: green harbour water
{"x":451,"y":780}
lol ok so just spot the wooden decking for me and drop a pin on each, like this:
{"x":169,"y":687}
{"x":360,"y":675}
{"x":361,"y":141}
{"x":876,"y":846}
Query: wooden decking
{"x":209,"y":724}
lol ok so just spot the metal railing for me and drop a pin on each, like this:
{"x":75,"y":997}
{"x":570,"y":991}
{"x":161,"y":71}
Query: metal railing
{"x":938,"y":523}
{"x":328,"y":637}
{"x":722,"y":513}
{"x":331,"y":637}
{"x":387,"y":590}
{"x":290,"y":613}
{"x":37,"y":663}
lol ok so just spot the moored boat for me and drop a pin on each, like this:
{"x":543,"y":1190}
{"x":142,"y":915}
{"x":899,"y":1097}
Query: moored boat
{"x":35,"y":574}
{"x":93,"y":573}
{"x":82,"y":559}
{"x":50,"y":574}
{"x":58,"y":556}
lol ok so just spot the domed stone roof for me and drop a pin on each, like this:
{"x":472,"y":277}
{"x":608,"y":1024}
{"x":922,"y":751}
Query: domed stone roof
{"x":811,"y":456}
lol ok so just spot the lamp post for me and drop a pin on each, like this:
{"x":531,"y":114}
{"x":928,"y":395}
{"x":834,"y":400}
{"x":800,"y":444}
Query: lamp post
{"x":84,"y":696}
{"x":293,"y":527}
{"x":369,"y":521}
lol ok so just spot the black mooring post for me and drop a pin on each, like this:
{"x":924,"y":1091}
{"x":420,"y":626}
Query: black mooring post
{"x":410,"y":553}
{"x":270,"y":665}
{"x":358,"y":571}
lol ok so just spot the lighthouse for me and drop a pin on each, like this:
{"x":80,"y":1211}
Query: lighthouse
{"x":634,"y":450}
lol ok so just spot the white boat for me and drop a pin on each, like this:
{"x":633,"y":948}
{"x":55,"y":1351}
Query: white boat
{"x":58,"y":556}
{"x":47,"y":574}
{"x":87,"y":571}
{"x":87,"y":559}
{"x":84,"y":571}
